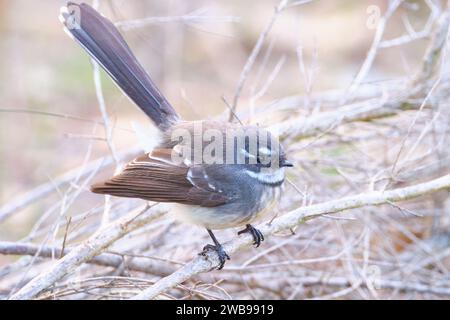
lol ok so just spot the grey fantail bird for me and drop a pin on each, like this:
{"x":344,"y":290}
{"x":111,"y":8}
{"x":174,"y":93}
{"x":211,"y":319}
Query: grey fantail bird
{"x":233,"y":189}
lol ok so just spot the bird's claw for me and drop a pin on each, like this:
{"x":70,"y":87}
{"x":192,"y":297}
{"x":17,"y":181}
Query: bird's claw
{"x":223,"y":256}
{"x":257,"y":235}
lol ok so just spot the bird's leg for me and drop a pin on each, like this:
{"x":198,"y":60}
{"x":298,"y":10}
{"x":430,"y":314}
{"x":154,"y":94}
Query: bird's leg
{"x":217,"y":247}
{"x":257,"y":235}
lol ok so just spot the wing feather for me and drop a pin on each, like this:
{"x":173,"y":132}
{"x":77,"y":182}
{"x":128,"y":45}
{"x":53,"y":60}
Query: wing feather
{"x":155,"y":177}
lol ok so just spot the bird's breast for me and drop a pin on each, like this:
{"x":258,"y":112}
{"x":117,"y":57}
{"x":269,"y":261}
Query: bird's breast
{"x":269,"y":198}
{"x":232,"y":214}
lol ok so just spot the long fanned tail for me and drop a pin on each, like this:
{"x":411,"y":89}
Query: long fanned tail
{"x":101,"y":39}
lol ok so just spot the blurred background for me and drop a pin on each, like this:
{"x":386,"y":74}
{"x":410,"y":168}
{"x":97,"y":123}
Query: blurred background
{"x":195,"y":50}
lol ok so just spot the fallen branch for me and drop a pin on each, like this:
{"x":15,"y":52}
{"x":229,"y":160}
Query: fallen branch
{"x":290,"y":221}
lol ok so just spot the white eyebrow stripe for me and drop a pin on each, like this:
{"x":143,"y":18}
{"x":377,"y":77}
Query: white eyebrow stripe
{"x":265,"y":151}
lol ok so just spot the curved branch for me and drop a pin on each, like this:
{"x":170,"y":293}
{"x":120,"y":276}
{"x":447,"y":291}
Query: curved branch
{"x":292,"y":220}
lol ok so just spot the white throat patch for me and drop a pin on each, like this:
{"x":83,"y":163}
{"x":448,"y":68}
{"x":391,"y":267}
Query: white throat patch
{"x":269,"y":175}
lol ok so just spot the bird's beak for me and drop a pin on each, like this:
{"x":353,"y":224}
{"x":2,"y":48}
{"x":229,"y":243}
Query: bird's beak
{"x":286,"y":163}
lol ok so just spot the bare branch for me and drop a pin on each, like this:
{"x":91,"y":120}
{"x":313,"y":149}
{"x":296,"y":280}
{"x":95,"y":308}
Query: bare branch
{"x":43,"y":190}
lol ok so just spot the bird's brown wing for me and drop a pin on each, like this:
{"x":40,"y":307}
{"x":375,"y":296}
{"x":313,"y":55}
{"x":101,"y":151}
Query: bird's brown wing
{"x":155,"y":177}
